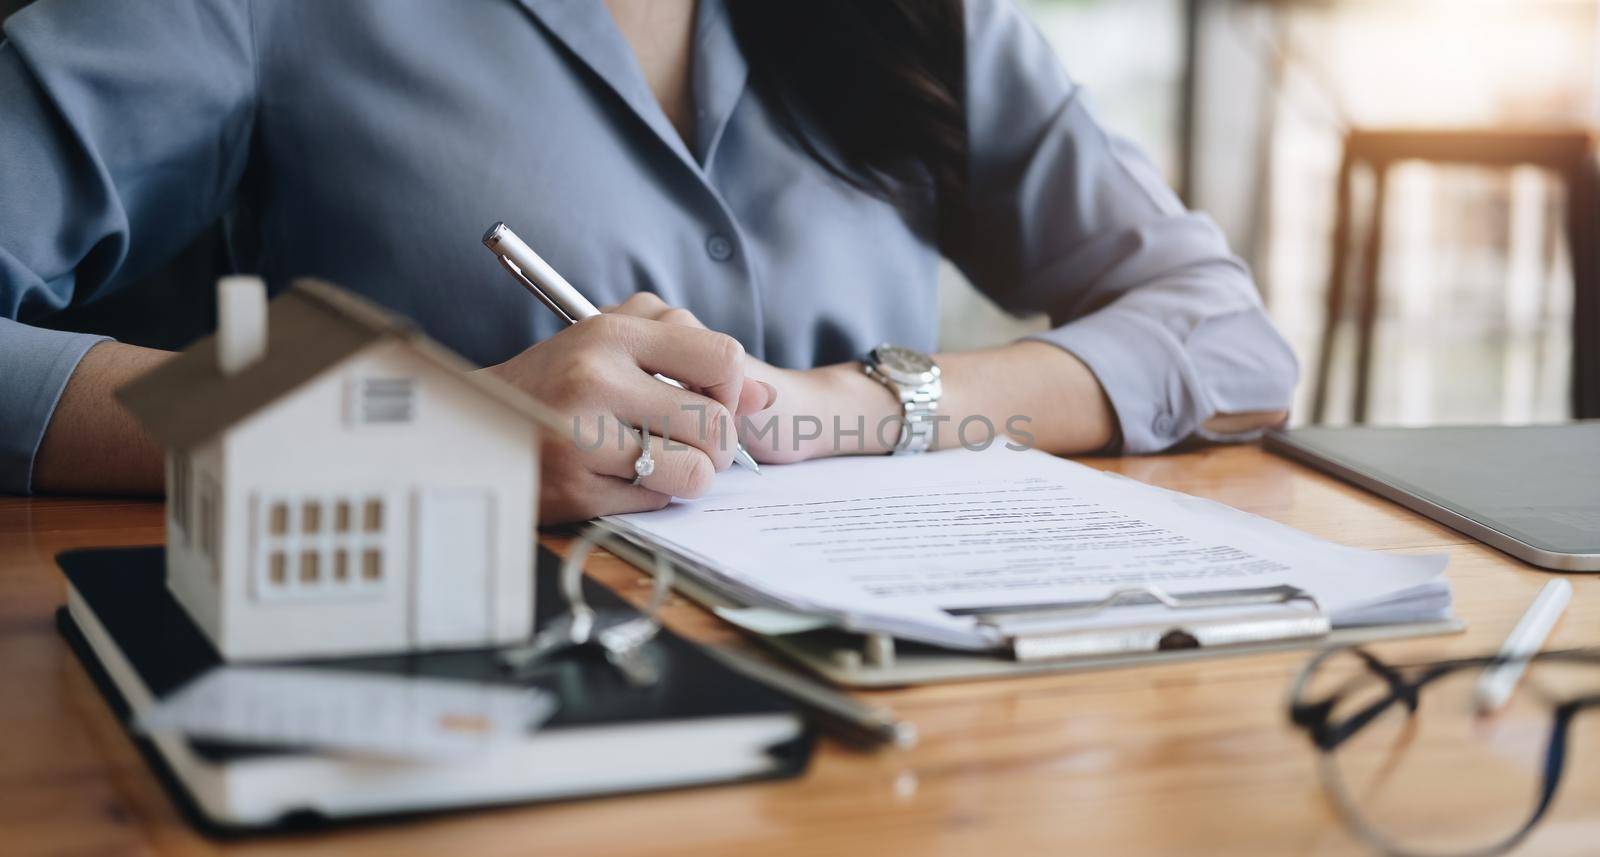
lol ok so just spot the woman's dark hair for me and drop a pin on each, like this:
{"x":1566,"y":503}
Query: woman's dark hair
{"x":882,"y":82}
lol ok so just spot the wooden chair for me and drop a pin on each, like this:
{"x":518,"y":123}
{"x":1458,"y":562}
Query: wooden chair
{"x":1570,"y":154}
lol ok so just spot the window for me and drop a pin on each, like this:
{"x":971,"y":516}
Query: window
{"x":178,"y":490}
{"x":210,"y":526}
{"x":208,"y":546}
{"x":313,"y":547}
{"x":383,"y":401}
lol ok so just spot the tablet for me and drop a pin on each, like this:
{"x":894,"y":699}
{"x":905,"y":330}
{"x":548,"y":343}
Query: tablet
{"x":1531,"y":491}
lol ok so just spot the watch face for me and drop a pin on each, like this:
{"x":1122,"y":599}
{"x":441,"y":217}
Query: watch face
{"x":903,"y":362}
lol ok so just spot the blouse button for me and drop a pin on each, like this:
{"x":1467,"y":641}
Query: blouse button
{"x":718,"y":247}
{"x":1163,"y":425}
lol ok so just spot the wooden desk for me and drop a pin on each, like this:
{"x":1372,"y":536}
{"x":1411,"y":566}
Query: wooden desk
{"x":1192,"y":758}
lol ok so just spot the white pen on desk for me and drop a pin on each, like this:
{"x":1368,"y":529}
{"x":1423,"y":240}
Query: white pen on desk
{"x":553,"y":290}
{"x":1497,"y":682}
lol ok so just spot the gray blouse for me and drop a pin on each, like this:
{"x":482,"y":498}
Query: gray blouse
{"x":370,"y":142}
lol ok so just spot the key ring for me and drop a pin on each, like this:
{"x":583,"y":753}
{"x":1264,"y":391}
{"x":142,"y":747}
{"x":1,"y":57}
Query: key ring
{"x":581,"y":614}
{"x":623,"y":641}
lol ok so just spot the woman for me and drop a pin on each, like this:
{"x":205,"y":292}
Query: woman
{"x":786,"y":174}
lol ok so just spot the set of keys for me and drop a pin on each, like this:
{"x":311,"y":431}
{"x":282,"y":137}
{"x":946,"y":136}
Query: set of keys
{"x":625,"y":642}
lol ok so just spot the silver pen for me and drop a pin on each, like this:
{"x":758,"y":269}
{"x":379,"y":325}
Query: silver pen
{"x":553,"y":290}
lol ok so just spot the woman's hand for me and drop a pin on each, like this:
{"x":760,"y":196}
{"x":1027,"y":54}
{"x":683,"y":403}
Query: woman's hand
{"x":599,"y":374}
{"x":1026,"y":393}
{"x":830,"y":410}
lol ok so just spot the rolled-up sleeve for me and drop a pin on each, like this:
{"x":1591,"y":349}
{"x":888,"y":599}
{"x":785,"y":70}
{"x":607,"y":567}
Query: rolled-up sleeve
{"x":124,"y":129}
{"x":1069,"y":220}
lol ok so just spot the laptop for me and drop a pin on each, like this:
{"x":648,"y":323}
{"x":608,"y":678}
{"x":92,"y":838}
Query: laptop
{"x":1531,"y":491}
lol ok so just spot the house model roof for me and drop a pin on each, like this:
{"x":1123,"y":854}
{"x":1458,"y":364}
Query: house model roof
{"x":312,"y":326}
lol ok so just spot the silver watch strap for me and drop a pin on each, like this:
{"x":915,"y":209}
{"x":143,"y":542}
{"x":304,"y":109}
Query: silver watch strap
{"x":918,"y":405}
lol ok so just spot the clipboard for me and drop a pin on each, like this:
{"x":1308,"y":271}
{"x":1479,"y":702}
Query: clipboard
{"x":1188,"y":626}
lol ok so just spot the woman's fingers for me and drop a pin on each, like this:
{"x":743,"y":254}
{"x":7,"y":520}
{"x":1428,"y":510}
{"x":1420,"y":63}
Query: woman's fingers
{"x":710,"y":362}
{"x":679,"y":316}
{"x":582,"y":495}
{"x":603,"y":368}
{"x":646,"y":305}
{"x":687,"y":418}
{"x":570,"y":489}
{"x":753,"y":396}
{"x":613,"y":449}
{"x":756,"y":396}
{"x":628,"y":498}
{"x":640,"y":305}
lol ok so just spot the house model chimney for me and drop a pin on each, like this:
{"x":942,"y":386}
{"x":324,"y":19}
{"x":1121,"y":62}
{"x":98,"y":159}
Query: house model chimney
{"x":241,"y":322}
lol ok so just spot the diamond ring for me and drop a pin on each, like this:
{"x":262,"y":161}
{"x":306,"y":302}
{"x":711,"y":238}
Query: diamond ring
{"x":644,"y":465}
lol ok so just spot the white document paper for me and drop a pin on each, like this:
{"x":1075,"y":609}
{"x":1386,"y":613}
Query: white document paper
{"x":894,"y":544}
{"x":391,"y":716}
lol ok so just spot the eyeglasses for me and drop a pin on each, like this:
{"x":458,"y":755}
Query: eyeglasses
{"x":1416,"y":769}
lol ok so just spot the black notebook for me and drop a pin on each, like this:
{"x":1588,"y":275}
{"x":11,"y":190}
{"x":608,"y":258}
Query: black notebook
{"x":699,"y":724}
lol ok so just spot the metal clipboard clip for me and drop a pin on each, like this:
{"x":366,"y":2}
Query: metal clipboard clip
{"x":1149,"y":619}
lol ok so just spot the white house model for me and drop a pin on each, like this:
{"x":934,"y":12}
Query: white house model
{"x":338,"y":484}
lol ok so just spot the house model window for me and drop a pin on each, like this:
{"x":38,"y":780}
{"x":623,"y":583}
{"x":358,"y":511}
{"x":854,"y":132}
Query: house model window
{"x":209,"y":536}
{"x":383,"y":401}
{"x":181,"y":481}
{"x":314,"y":547}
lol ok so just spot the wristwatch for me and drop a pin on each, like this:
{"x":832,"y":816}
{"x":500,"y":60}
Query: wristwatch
{"x":913,"y":378}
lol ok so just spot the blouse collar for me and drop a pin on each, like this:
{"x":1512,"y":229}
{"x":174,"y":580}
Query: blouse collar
{"x":719,"y":72}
